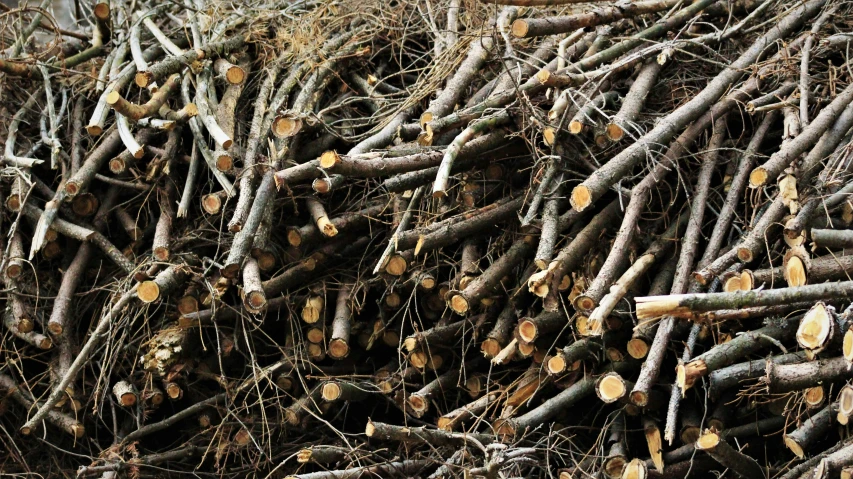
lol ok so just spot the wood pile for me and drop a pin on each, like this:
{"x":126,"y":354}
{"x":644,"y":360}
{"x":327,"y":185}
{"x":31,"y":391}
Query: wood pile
{"x":484,"y":239}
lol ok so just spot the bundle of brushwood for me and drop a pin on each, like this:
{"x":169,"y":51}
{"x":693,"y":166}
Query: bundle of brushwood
{"x":318,"y":239}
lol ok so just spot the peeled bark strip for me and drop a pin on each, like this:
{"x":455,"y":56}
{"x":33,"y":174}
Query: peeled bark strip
{"x":685,"y":305}
{"x":620,"y":287}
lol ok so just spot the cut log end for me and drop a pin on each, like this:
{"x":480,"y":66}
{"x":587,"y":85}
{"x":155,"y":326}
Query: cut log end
{"x":143,"y":79}
{"x":635,"y":469}
{"x":527,"y":329}
{"x":188,"y":305}
{"x":44,"y":343}
{"x":14,"y":270}
{"x":687,"y":374}
{"x":639,"y":398}
{"x":690,"y":434}
{"x":255,"y":301}
{"x":611,"y":388}
{"x":212,"y":204}
{"x":519,"y":28}
{"x":845,"y":401}
{"x":370,"y":429}
{"x":101,"y":10}
{"x":745,"y":255}
{"x":418,"y":359}
{"x":613,"y":466}
{"x":585,"y":303}
{"x":814,"y":397}
{"x":294,"y":237}
{"x":329,"y":159}
{"x":549,"y":135}
{"x":285,"y":127}
{"x":426,"y":117}
{"x":117,"y":165}
{"x":113,"y":97}
{"x":732,"y":284}
{"x":338,"y":348}
{"x":331,"y":391}
{"x":326,"y":227}
{"x":13,"y":203}
{"x":614,"y":132}
{"x":581,"y":198}
{"x":576,"y":127}
{"x":54,"y":327}
{"x":556,"y":365}
{"x":148,"y":291}
{"x":235,"y":75}
{"x":224,"y":162}
{"x":708,"y":441}
{"x":266,"y":260}
{"x":396,"y":265}
{"x":490,"y":347}
{"x":161,"y":253}
{"x":419,"y":404}
{"x":174,"y":391}
{"x":458,"y":303}
{"x":543,"y":76}
{"x":124,"y":393}
{"x":815,"y":327}
{"x":638,"y":348}
{"x":758,"y":177}
{"x":313,"y":309}
{"x":795,"y":272}
{"x":847,"y":345}
{"x":94,"y":130}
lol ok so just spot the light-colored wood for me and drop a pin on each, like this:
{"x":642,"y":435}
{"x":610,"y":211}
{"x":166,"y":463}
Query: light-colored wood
{"x":396,"y":265}
{"x":655,"y":444}
{"x":611,"y":388}
{"x":125,"y":393}
{"x":815,"y":328}
{"x":708,"y":441}
{"x":313,"y":309}
{"x":329,"y":159}
{"x":635,"y":469}
{"x":148,"y":291}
